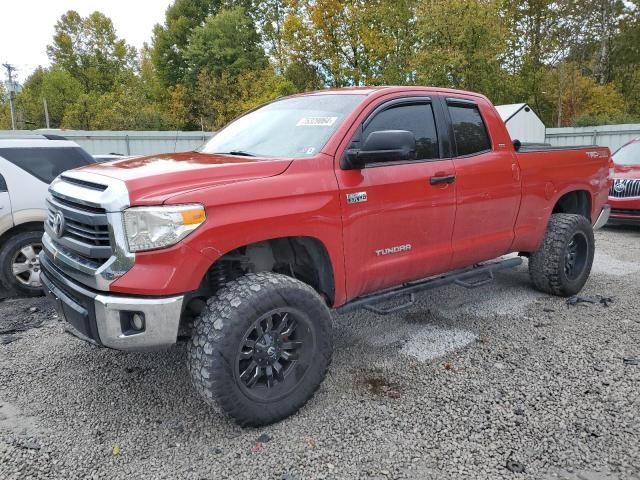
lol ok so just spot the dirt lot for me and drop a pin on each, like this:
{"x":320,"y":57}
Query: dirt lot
{"x":499,"y":382}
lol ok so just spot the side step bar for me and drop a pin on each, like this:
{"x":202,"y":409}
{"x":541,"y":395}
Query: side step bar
{"x":473,"y":277}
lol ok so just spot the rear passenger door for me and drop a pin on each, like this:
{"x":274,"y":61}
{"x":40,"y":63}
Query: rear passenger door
{"x":397,"y":224}
{"x":488,"y":189}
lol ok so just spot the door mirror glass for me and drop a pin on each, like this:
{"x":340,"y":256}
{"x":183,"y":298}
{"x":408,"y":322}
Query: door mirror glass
{"x":382,"y":146}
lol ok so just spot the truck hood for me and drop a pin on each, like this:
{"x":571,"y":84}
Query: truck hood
{"x":627,"y":171}
{"x":151,"y":180}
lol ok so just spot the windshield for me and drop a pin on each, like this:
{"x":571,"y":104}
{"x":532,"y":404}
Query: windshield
{"x":628,"y":155}
{"x":294,"y":127}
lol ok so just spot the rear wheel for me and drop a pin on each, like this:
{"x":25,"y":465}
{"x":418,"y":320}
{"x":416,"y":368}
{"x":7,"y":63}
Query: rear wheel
{"x":261,"y":348}
{"x":562,"y":264}
{"x":20,"y":263}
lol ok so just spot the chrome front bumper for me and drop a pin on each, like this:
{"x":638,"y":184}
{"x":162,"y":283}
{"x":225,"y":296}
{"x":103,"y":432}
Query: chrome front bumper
{"x":603,"y":218}
{"x":106,"y":320}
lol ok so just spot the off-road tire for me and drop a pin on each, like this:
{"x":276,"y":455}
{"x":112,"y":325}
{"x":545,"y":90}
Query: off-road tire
{"x":547,"y":264}
{"x":7,"y":253}
{"x":219,"y":331}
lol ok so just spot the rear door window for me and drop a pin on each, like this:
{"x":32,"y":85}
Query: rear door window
{"x":416,"y":118}
{"x":469,"y":130}
{"x":47,"y":163}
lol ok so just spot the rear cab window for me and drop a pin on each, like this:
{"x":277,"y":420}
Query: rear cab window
{"x":46,"y":163}
{"x":470,"y":133}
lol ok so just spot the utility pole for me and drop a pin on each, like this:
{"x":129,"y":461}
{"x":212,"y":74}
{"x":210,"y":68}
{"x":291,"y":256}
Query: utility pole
{"x":46,"y":112}
{"x":12,"y":93}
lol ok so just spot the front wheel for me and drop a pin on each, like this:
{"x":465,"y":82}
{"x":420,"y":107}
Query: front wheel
{"x":20,"y":264}
{"x":261,"y":347}
{"x":562,"y":264}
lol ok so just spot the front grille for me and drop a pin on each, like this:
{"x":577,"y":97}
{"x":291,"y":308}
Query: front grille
{"x":85,"y":229}
{"x":78,"y":206}
{"x":625,"y":211}
{"x":625,"y":188}
{"x":91,"y":234}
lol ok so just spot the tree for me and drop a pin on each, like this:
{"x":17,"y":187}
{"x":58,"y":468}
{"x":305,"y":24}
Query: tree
{"x":625,"y":58}
{"x":269,"y":17}
{"x":466,"y":53}
{"x":227,"y":42}
{"x":57,"y":86}
{"x":89,"y":49}
{"x":171,"y":40}
{"x":354,"y":42}
{"x":582,"y":98}
{"x":5,"y":113}
{"x":221,"y":98}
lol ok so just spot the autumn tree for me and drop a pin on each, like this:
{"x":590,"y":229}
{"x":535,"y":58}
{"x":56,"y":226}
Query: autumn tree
{"x":467,"y":53}
{"x":89,"y":49}
{"x":354,"y":42}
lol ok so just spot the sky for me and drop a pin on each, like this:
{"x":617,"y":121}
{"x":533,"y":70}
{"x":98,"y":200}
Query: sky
{"x":26,"y":26}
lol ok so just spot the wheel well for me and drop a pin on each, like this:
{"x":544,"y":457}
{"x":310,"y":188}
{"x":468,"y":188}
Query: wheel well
{"x":578,"y":202}
{"x":304,"y":258}
{"x":23,"y":227}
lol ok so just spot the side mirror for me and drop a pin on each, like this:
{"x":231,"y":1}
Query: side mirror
{"x":381,"y":146}
{"x":517,"y":144}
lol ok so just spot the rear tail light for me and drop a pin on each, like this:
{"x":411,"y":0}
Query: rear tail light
{"x":612,"y":172}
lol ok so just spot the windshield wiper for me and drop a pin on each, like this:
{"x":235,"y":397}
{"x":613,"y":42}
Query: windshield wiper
{"x":240,"y":153}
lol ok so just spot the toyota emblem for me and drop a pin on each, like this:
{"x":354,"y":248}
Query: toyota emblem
{"x":57,"y":224}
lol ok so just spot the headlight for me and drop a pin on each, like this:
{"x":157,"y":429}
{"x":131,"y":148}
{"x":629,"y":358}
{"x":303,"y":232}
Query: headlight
{"x":149,"y":228}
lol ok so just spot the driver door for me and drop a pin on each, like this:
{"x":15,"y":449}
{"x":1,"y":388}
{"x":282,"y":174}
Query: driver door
{"x":397,"y":220}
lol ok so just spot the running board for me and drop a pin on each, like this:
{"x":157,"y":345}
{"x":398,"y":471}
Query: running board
{"x":473,"y":277}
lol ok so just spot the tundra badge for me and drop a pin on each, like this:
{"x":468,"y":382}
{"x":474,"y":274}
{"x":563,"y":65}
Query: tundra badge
{"x":357,"y":197}
{"x":397,"y":249}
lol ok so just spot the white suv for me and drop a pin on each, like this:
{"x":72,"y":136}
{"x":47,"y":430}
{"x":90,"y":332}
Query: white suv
{"x":27,"y":167}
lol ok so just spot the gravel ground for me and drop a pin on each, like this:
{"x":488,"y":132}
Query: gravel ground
{"x":498,"y":382}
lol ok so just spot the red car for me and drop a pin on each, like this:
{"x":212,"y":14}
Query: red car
{"x":336,"y":199}
{"x":624,"y":196}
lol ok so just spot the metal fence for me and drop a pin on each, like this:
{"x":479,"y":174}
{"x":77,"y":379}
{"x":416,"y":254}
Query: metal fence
{"x":612,"y":136}
{"x":125,"y":142}
{"x":149,"y":143}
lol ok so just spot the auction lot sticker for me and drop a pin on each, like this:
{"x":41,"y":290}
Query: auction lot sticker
{"x":316,"y":121}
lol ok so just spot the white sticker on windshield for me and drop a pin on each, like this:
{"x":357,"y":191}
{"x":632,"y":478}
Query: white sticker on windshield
{"x":316,"y":121}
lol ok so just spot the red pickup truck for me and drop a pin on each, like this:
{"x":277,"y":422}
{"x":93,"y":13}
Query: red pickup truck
{"x":328,"y":200}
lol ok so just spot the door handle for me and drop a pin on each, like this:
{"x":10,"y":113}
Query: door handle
{"x":442,"y":179}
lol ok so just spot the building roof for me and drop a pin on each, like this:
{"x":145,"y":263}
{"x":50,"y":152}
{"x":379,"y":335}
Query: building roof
{"x":508,"y":111}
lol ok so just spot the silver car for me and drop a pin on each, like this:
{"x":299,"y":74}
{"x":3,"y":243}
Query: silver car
{"x":27,"y":167}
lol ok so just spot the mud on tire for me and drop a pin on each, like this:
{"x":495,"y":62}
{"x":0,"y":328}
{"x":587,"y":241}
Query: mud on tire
{"x":562,"y":264}
{"x":277,"y":323}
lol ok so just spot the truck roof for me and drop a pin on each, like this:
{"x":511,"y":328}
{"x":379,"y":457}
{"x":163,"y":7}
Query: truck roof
{"x":389,"y":89}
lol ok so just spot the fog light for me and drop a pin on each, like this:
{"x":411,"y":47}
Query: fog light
{"x":137,"y":321}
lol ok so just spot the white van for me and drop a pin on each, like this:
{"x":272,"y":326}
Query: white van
{"x":27,"y":167}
